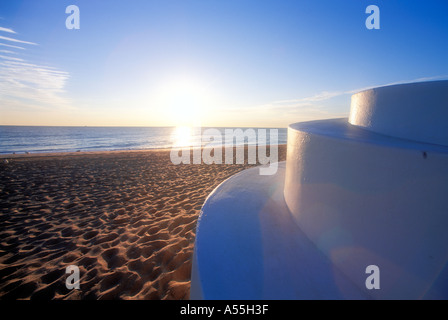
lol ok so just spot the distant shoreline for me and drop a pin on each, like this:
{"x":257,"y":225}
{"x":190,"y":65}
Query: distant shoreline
{"x":99,"y":152}
{"x":43,"y":140}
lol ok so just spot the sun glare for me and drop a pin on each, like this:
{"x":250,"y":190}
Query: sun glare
{"x":184,"y":101}
{"x":182,"y":137}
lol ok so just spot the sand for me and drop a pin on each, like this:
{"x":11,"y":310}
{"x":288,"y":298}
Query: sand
{"x":126,"y":219}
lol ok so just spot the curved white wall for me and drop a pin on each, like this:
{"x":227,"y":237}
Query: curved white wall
{"x":382,"y":202}
{"x":373,"y":190}
{"x":368,"y":190}
{"x":414,"y":111}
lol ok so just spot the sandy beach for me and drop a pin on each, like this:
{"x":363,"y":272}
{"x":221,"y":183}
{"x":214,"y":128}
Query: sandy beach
{"x":126,"y":219}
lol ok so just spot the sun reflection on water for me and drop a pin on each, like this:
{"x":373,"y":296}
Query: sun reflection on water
{"x":182,"y":137}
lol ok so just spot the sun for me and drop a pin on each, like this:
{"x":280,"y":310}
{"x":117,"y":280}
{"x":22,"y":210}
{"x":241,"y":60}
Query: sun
{"x":184,"y":101}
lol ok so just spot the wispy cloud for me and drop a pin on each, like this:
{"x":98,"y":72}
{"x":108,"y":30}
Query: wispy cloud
{"x":432,"y":78}
{"x":316,"y":106}
{"x":11,"y":46}
{"x":8,"y":51}
{"x":27,"y":85}
{"x":327,"y":95}
{"x":324,"y":95}
{"x":7,"y":30}
{"x":16,"y":40}
{"x":27,"y":82}
{"x":10,"y":58}
{"x":310,"y":105}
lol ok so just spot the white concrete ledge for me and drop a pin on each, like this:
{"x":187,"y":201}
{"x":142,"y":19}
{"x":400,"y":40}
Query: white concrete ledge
{"x":248,"y":247}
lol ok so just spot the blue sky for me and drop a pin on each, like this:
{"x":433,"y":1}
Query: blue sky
{"x":214,"y":63}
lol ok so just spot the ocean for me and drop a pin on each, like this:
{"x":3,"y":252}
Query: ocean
{"x":41,"y":139}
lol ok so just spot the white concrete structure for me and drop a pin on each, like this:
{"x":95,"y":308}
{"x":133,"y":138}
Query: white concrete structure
{"x":372,"y":190}
{"x":415,"y":111}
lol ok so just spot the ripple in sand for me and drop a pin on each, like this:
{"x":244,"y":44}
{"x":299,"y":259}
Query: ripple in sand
{"x":126,"y":219}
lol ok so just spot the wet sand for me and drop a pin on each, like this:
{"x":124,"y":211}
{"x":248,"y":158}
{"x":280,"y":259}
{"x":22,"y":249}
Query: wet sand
{"x":126,"y":219}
